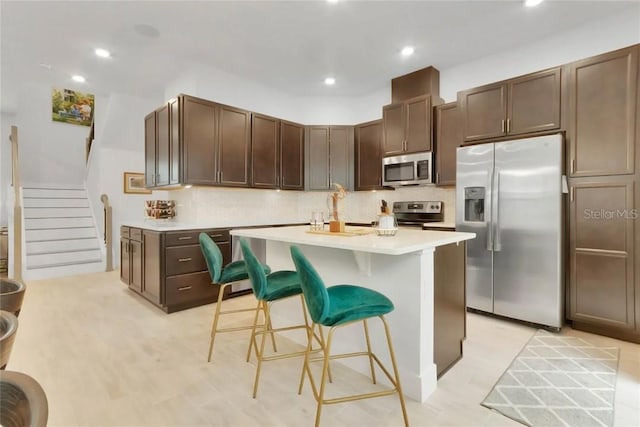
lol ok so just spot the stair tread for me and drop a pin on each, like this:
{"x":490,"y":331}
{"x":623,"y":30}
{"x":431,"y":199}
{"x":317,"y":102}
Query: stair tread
{"x":57,"y":228}
{"x":56,"y":217}
{"x":42,"y":197}
{"x":66,"y":251}
{"x":60,"y":239}
{"x":63,"y":264}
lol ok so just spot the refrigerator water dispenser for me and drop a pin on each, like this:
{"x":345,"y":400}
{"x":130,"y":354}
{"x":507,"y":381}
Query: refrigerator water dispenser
{"x":474,"y":204}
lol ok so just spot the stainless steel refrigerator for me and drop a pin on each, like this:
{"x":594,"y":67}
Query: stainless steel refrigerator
{"x":510,"y":194}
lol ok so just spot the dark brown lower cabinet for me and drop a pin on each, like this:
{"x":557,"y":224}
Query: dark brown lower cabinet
{"x":602,"y":266}
{"x":449,"y":312}
{"x":131,"y":258}
{"x":168,"y":268}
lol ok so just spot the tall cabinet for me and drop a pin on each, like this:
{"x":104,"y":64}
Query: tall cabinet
{"x":603,"y":164}
{"x":368,"y":155}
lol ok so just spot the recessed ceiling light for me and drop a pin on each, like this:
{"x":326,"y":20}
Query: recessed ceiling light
{"x":102,"y":53}
{"x":146,"y":30}
{"x":78,"y":78}
{"x":407,"y":51}
{"x":332,"y":1}
{"x":532,"y":3}
{"x":329,"y":81}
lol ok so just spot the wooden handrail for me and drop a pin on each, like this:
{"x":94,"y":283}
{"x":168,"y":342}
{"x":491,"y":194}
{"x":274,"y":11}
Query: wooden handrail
{"x":107,"y":231}
{"x":17,"y":206}
{"x":89,"y":140}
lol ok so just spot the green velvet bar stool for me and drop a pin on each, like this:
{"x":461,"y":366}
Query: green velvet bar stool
{"x":226,"y":276}
{"x":268,"y":288}
{"x":339,"y":306}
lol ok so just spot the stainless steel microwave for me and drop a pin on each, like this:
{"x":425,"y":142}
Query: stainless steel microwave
{"x":410,"y":169}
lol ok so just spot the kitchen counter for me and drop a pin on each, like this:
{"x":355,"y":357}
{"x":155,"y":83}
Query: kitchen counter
{"x":417,"y":270}
{"x":405,"y":241}
{"x":442,"y":224}
{"x":159,"y":225}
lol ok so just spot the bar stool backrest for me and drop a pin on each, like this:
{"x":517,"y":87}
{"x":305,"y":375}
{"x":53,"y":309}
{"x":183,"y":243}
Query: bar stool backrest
{"x":257,"y":277}
{"x":212,"y":256}
{"x":315,"y":292}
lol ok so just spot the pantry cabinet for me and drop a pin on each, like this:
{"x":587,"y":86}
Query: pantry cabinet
{"x":603,"y":93}
{"x":448,"y":137}
{"x":602,"y":249}
{"x":518,"y":106}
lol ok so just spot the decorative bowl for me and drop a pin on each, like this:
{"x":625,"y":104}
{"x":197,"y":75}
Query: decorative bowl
{"x":386,"y":231}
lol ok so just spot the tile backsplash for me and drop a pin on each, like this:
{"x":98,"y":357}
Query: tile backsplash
{"x":243,"y":206}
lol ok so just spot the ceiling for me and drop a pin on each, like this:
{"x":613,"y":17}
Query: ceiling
{"x":290,"y":46}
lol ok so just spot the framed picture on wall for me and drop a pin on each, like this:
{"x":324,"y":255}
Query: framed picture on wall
{"x":134,"y":183}
{"x":70,"y":106}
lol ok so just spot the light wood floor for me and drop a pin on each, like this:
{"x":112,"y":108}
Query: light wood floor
{"x":106,"y":357}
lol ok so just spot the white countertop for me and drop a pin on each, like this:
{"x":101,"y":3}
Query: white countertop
{"x":159,"y":225}
{"x":440,"y":224}
{"x":405,"y":241}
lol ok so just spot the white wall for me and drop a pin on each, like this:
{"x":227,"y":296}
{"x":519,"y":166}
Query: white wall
{"x":6,"y":121}
{"x":50,"y":152}
{"x":119,"y":148}
{"x":594,"y":38}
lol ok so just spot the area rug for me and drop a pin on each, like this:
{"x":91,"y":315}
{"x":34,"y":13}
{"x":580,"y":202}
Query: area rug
{"x":558,"y":381}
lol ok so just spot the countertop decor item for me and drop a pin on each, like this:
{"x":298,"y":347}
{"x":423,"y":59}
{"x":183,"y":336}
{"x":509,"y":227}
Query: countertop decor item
{"x":159,"y":209}
{"x":334,"y":204}
{"x":558,"y":380}
{"x":386,"y":224}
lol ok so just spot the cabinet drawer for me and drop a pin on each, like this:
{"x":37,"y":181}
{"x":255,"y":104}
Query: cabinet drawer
{"x":135,"y":234}
{"x":190,"y":287}
{"x":124,"y":232}
{"x":182,"y":238}
{"x":184,"y":259}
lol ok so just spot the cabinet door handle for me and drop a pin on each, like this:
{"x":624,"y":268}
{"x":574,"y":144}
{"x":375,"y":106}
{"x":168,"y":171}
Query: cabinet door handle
{"x":437,"y":177}
{"x":508,"y":125}
{"x":573,"y":166}
{"x":184,"y":288}
{"x":185,"y":238}
{"x":215,"y":235}
{"x":184,"y":259}
{"x":502,"y":126}
{"x":571,"y":194}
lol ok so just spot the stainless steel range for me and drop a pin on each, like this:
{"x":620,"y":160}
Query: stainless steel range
{"x":416,"y":213}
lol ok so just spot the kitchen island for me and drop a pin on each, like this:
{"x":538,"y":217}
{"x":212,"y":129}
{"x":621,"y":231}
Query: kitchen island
{"x":422,"y":272}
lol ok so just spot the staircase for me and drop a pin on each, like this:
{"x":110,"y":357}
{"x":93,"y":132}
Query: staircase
{"x":60,"y":234}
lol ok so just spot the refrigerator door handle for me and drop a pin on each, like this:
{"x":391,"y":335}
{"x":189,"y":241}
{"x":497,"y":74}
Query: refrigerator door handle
{"x":489,"y":214}
{"x":497,"y":246}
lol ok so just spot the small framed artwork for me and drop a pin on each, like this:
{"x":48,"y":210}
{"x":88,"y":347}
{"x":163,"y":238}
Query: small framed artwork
{"x":134,"y":183}
{"x":70,"y":106}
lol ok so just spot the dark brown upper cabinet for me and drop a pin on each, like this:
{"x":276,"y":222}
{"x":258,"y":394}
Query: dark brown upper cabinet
{"x":517,"y":106}
{"x":448,"y":137}
{"x":199,"y":149}
{"x":277,"y":153}
{"x":234,"y":146}
{"x":150,"y":150}
{"x":329,"y":157}
{"x":368,"y":155}
{"x":603,"y":93}
{"x":407,"y":126}
{"x":265,"y":139}
{"x":162,"y":146}
{"x":216,"y":142}
{"x":291,"y":156}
